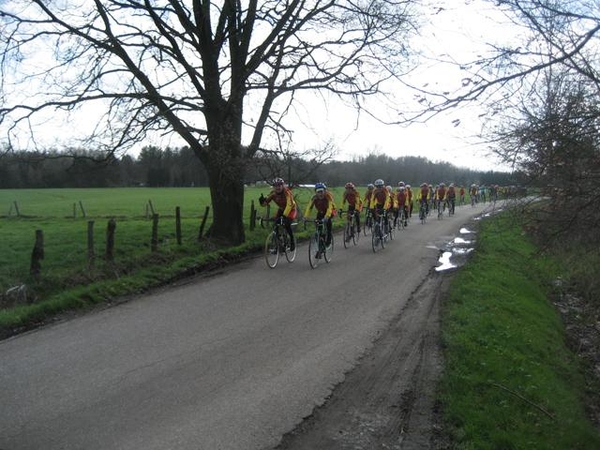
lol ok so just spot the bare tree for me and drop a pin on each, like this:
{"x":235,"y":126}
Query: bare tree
{"x":538,"y":34}
{"x":218,"y":74}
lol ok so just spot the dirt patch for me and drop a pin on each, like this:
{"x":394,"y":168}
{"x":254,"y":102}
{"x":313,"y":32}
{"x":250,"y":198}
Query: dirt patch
{"x":582,"y":325}
{"x":388,"y":400}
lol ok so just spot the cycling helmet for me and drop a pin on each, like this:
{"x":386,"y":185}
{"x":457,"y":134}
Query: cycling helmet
{"x":400,"y":188}
{"x":278,"y":182}
{"x":370,"y":186}
{"x":389,"y":189}
{"x":401,"y":183}
{"x":349,"y":186}
{"x":320,"y":186}
{"x":379,"y":183}
{"x":423,"y":184}
{"x":408,"y":186}
{"x":442,"y":185}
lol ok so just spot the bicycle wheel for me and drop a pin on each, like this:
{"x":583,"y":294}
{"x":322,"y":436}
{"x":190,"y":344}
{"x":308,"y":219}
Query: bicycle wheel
{"x":290,"y":255}
{"x":377,"y":238}
{"x":272,"y":250}
{"x":368,"y":225}
{"x":347,"y":234}
{"x":390,"y":230}
{"x":355,"y":232}
{"x":328,"y":253}
{"x":314,"y":255}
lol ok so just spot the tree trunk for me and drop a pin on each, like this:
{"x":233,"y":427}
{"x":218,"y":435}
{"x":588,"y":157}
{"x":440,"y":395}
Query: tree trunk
{"x":227,"y":195}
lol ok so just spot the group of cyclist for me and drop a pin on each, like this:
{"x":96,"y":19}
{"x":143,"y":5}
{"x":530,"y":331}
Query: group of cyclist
{"x":379,"y":199}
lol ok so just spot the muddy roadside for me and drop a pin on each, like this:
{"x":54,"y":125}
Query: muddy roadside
{"x":388,"y":400}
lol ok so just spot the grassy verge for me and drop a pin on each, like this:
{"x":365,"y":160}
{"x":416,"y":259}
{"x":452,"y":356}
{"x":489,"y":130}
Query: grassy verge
{"x":510,"y":382}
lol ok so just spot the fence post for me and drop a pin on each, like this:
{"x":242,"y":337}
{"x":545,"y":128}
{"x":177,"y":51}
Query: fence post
{"x":154,"y":240}
{"x":17,"y":209}
{"x":151,"y":207}
{"x":90,"y":244}
{"x":178,"y":224}
{"x":37,"y":255}
{"x":203,"y":222}
{"x":252,"y":216}
{"x":82,"y":209}
{"x":110,"y":239}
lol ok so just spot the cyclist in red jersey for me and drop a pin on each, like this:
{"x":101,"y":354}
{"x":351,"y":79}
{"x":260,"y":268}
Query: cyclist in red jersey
{"x":402,"y":200}
{"x":352,"y":196}
{"x":283,"y":197}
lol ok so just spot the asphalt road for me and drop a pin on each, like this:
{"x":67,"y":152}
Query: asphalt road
{"x":233,"y":360}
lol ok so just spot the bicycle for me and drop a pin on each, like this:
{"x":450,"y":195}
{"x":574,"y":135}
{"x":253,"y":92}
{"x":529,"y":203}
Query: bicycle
{"x":423,"y":211}
{"x":278,"y":242}
{"x":441,"y":205}
{"x":351,"y":232}
{"x":451,"y":206}
{"x":317,"y":248}
{"x":401,"y":220}
{"x":379,"y":235}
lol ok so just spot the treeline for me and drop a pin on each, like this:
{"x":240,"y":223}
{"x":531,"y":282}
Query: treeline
{"x":155,"y":167}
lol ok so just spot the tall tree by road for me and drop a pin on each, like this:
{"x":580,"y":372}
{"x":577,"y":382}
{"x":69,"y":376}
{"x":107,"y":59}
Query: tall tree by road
{"x":220,"y":75}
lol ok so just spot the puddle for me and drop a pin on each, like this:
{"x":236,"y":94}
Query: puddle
{"x":445,"y":261}
{"x":460,"y":241}
{"x":456,"y":252}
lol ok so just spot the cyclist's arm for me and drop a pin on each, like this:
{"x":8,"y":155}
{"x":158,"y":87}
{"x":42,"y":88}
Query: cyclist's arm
{"x":309,"y":208}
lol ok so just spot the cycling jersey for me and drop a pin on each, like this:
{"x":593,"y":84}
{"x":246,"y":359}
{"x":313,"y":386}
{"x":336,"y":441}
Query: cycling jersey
{"x":380,"y":199}
{"x":285,"y":201}
{"x":441,"y":193}
{"x":325,"y":206}
{"x":353,"y":199}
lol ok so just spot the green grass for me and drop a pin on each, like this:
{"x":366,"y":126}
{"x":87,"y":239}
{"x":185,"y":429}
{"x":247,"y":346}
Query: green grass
{"x":68,"y":282}
{"x":510,"y":382}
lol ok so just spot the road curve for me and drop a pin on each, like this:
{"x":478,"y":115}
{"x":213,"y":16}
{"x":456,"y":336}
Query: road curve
{"x":229,"y":361}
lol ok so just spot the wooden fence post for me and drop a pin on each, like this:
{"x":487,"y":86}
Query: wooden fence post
{"x":110,"y":239}
{"x":252,"y":216}
{"x":151,"y":207}
{"x":203,"y":222}
{"x":154,"y":240}
{"x":17,"y":208}
{"x":82,"y":209}
{"x":90,"y":244}
{"x":37,"y":255}
{"x":178,"y":224}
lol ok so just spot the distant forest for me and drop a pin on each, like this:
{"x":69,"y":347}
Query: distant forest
{"x":156,"y":167}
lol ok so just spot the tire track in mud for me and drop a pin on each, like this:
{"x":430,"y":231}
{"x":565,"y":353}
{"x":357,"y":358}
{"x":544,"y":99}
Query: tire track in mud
{"x":388,"y":400}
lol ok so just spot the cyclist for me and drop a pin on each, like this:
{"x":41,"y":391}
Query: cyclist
{"x":283,"y":197}
{"x":451,"y":197}
{"x":392,"y":210}
{"x":323,"y":202}
{"x":473,"y":193}
{"x":423,"y":197}
{"x":380,"y":200}
{"x":352,"y":196}
{"x":441,"y":196}
{"x":402,"y":200}
{"x":461,"y":195}
{"x":410,"y":200}
{"x":367,"y":203}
